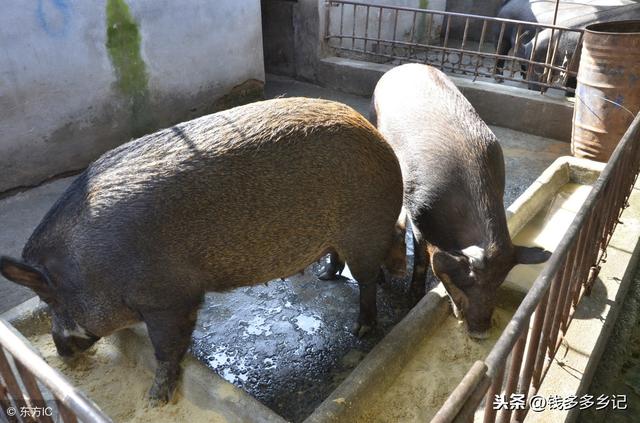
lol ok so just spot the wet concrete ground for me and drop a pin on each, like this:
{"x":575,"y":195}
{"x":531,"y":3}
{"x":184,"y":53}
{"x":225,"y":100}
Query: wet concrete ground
{"x":288,"y":343}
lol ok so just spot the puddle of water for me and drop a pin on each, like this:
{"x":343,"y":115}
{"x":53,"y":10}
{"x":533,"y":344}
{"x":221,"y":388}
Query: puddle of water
{"x":546,"y":230}
{"x":308,"y":324}
{"x":289,"y":343}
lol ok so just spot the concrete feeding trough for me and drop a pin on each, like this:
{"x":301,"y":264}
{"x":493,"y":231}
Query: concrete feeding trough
{"x":412,"y":371}
{"x":117,"y":372}
{"x":406,"y":377}
{"x":542,"y":214}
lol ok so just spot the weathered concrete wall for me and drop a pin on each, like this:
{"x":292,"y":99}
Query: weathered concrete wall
{"x":473,"y":7}
{"x":292,"y":37}
{"x":78,"y":78}
{"x":278,"y":37}
{"x":497,"y":104}
{"x":293,"y":30}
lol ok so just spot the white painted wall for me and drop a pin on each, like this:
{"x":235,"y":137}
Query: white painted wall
{"x":60,"y":105}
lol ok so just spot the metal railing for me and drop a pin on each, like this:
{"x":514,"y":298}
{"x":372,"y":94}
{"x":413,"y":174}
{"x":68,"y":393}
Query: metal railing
{"x":502,"y":49}
{"x":24,"y":376}
{"x":518,"y":362}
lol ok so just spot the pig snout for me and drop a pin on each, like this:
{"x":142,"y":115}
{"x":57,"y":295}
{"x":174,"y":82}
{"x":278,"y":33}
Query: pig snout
{"x":69,"y":346}
{"x":478,"y":322}
{"x":69,"y":337}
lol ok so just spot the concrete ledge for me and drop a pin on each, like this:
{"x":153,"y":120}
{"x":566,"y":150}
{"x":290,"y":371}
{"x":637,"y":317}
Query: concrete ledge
{"x":376,"y":373}
{"x":573,"y":368}
{"x":199,"y":384}
{"x":563,"y":170}
{"x":498,"y":104}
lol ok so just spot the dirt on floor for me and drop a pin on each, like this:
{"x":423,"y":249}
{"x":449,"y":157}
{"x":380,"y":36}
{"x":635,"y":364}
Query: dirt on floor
{"x":435,"y":370}
{"x":118,"y":386}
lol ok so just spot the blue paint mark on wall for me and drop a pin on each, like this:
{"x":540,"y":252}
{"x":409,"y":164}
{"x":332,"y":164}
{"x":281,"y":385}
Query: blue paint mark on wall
{"x":53,"y":16}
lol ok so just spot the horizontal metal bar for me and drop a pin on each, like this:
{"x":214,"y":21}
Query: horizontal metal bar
{"x":461,"y":51}
{"x":487,"y":74}
{"x":514,"y":328}
{"x":453,"y":14}
{"x":15,"y":345}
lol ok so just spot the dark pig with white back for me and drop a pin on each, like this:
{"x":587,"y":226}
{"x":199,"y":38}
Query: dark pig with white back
{"x":232,"y":199}
{"x":453,"y":172}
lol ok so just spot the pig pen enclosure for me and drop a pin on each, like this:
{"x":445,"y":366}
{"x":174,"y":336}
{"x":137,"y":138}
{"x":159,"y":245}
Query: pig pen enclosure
{"x":288,"y":345}
{"x":502,"y":49}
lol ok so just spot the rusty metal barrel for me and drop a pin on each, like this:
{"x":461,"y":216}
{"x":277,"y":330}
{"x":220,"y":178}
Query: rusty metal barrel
{"x":608,"y":91}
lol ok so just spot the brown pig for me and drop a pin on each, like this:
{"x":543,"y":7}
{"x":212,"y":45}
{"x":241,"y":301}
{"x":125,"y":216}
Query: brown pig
{"x":232,"y":199}
{"x":453,"y":171}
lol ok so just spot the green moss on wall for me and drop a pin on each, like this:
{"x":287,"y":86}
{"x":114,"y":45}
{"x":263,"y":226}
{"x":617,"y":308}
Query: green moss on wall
{"x":123,"y":45}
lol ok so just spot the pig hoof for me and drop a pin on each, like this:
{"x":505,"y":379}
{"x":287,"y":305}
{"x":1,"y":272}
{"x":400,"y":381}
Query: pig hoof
{"x":159,"y":395}
{"x":330,"y":272}
{"x":361,"y":330}
{"x":416,"y":294}
{"x":327,"y":274}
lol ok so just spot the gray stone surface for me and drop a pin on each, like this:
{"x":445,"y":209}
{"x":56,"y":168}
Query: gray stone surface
{"x":287,"y":343}
{"x":20,"y":214}
{"x":64,"y":99}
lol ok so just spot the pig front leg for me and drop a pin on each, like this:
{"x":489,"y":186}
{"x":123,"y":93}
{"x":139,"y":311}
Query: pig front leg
{"x":332,"y":267}
{"x":170,"y":332}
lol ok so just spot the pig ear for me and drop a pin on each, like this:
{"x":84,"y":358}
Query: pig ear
{"x":449,"y":267}
{"x":25,"y":275}
{"x":531,"y":255}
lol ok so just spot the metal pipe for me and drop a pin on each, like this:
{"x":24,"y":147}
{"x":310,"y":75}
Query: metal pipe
{"x":514,"y":372}
{"x":76,"y":401}
{"x":446,"y":67}
{"x":456,"y":14}
{"x":532,"y":349}
{"x":509,"y":336}
{"x":495,"y":389}
{"x":446,"y":39}
{"x":412,"y":33}
{"x":379,"y":29}
{"x":366,"y":28}
{"x":461,"y":393}
{"x":474,"y":67}
{"x":353,"y":31}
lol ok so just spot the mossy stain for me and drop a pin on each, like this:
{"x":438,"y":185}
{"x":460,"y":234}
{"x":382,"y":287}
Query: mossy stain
{"x":123,"y":45}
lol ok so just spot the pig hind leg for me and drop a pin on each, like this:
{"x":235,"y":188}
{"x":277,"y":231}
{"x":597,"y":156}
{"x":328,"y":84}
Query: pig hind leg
{"x":365,"y":263}
{"x":170,"y":331}
{"x":368,"y":278}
